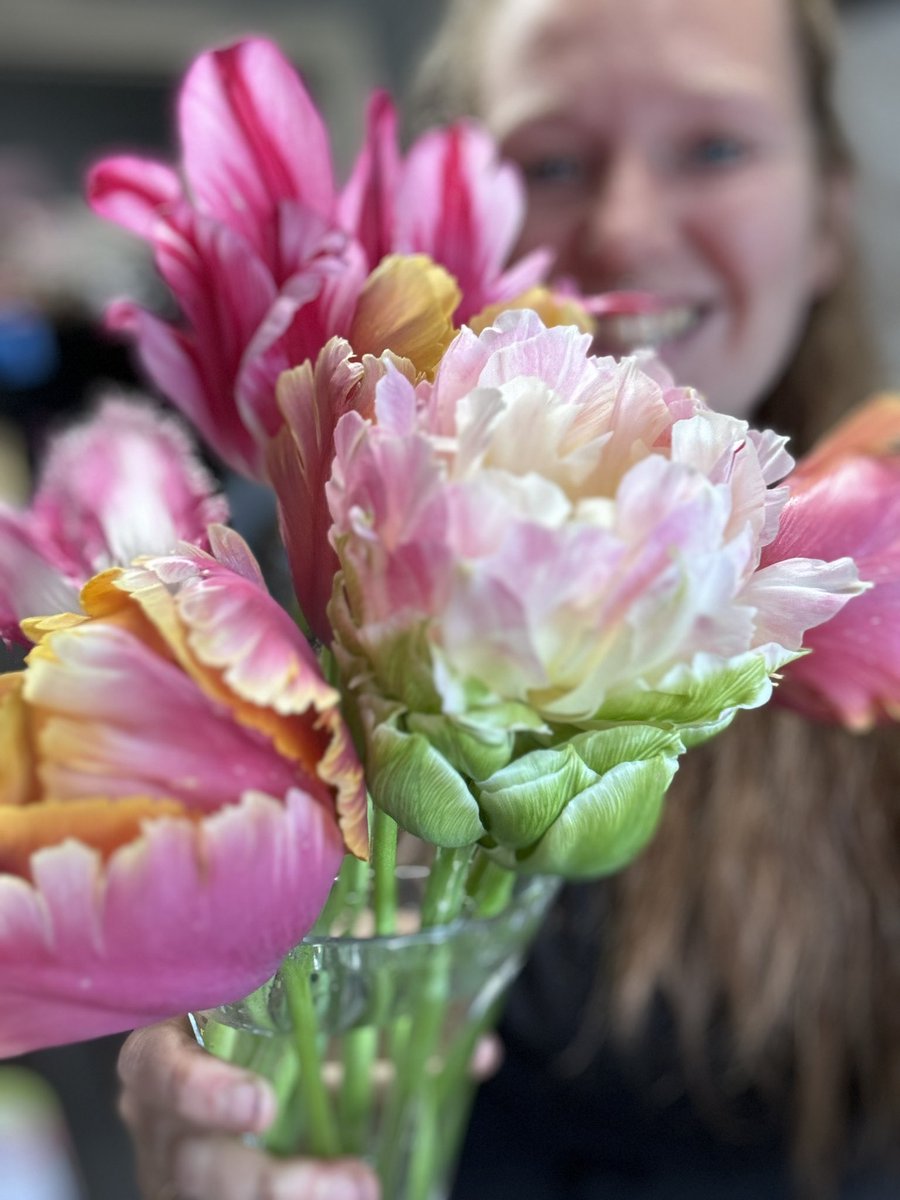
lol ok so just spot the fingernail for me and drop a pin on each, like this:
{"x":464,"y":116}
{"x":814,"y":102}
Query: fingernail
{"x":243,"y":1103}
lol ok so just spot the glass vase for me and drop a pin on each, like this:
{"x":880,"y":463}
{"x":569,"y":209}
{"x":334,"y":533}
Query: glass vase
{"x":368,"y":1040}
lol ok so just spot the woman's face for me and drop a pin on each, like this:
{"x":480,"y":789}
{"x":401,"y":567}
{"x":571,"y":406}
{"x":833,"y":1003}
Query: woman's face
{"x":667,"y":149}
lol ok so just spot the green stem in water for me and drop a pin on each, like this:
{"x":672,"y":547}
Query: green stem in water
{"x":360,"y":1048}
{"x":324,"y":1141}
{"x":445,"y":892}
{"x":357,"y":1094}
{"x":412,"y":1085}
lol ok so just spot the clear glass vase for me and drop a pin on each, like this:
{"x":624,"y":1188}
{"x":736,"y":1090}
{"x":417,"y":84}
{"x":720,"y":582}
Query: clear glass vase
{"x":368,"y":1040}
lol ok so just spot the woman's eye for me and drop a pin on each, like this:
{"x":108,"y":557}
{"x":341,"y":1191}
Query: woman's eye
{"x":716,"y":150}
{"x":554,"y":169}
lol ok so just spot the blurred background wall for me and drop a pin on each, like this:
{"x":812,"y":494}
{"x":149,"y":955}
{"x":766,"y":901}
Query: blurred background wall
{"x":79,"y":78}
{"x":83,"y":77}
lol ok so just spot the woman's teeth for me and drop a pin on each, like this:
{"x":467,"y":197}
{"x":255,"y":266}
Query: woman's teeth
{"x":623,"y":332}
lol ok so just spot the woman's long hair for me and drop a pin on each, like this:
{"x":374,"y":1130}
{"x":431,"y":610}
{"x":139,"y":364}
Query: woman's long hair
{"x":768,"y":905}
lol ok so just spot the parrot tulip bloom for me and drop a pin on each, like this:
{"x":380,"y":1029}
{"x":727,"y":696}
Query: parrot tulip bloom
{"x":564,"y":531}
{"x":845,"y":499}
{"x":176,"y":790}
{"x":267,"y":259}
{"x":123,"y":483}
{"x":542,"y":541}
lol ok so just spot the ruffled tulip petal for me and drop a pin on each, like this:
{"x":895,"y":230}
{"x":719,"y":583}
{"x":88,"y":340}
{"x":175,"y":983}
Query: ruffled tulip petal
{"x":188,"y":915}
{"x":872,"y":430}
{"x":852,"y":673}
{"x":116,"y":719}
{"x":251,"y":664}
{"x":34,"y":578}
{"x":17,"y":781}
{"x":104,"y":825}
{"x":124,"y":483}
{"x":299,"y":463}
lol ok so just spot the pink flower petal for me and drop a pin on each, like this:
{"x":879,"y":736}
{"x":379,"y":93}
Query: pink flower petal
{"x":35,"y":579}
{"x":853,"y":673}
{"x":458,"y":204}
{"x":125,"y":482}
{"x":251,"y":138}
{"x":367,"y":203}
{"x":187,"y":917}
{"x":312,"y":400}
{"x":119,"y":720}
{"x":133,"y":192}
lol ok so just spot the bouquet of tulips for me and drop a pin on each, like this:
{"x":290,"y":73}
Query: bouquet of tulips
{"x":528,"y":578}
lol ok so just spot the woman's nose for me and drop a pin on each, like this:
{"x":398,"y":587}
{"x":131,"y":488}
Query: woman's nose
{"x":628,"y":219}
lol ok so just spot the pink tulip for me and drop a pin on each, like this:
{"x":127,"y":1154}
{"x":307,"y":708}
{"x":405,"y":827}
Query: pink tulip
{"x":176,"y":789}
{"x":450,"y":198}
{"x":123,"y":483}
{"x":845,"y":499}
{"x":246,"y":249}
{"x":267,"y":260}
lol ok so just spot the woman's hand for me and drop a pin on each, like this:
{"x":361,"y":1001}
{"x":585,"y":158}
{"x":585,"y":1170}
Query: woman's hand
{"x":187,"y":1113}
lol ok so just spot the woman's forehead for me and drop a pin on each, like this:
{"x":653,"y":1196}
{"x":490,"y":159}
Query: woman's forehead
{"x":555,"y":52}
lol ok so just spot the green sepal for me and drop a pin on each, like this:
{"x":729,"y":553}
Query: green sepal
{"x":603,"y":826}
{"x":703,"y":694}
{"x":412,"y":781}
{"x":474,"y":750}
{"x":521,"y":801}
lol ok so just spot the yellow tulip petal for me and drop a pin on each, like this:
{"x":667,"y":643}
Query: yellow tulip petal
{"x":407,"y":306}
{"x":551,"y":308}
{"x":17,"y":781}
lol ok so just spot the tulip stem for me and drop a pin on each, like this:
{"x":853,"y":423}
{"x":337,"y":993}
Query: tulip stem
{"x":324,"y":1141}
{"x":490,"y":887}
{"x":445,"y":891}
{"x":384,"y":872}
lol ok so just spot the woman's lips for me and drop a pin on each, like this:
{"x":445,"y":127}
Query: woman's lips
{"x":628,"y":321}
{"x":623,"y":333}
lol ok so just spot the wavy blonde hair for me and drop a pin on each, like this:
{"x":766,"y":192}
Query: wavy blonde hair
{"x":767,"y":907}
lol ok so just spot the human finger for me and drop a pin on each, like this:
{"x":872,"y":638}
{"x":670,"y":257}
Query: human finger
{"x":222,"y":1168}
{"x":162,"y":1067}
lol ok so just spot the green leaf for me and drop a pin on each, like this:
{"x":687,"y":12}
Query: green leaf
{"x":412,"y":781}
